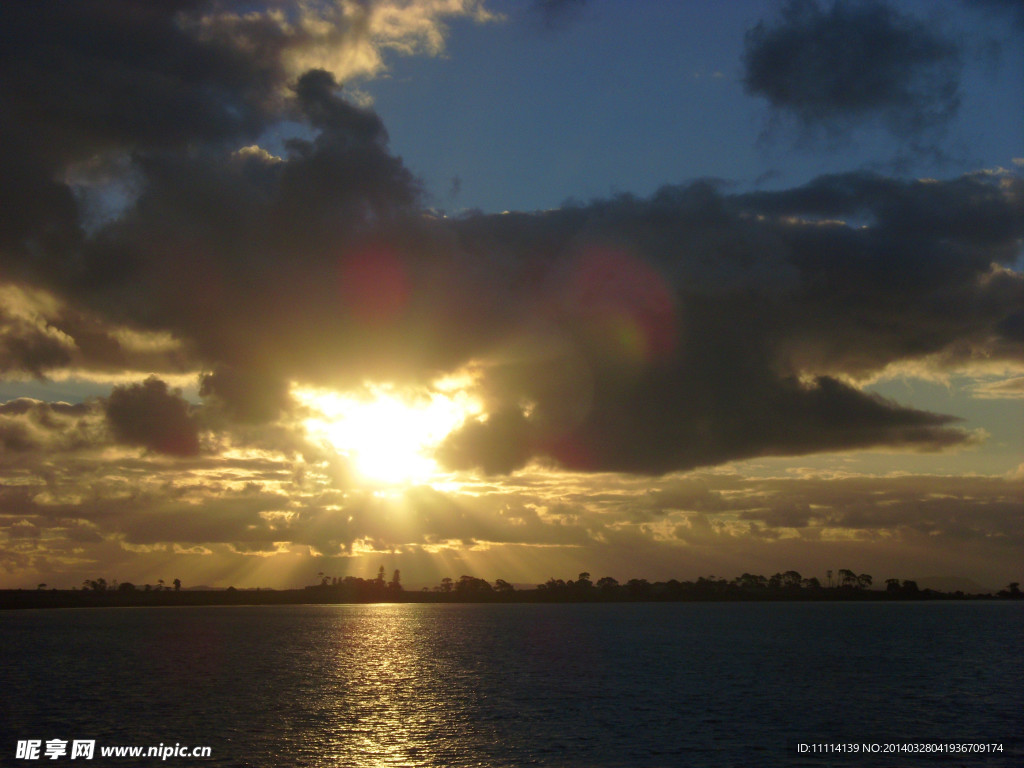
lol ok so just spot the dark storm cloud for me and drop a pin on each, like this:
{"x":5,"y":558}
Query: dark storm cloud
{"x":915,"y":279}
{"x":644,"y":335}
{"x":246,"y":395}
{"x":81,"y":79}
{"x":113,"y":73}
{"x":151,"y":416}
{"x":269,"y":265}
{"x":178,"y":88}
{"x":774,"y":299}
{"x":853,"y":62}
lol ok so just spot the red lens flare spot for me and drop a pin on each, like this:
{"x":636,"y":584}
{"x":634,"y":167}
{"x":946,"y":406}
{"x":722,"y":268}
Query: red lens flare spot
{"x":625,"y":305}
{"x":375,"y":285}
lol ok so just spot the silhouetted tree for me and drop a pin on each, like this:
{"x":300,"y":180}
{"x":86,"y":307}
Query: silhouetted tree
{"x":638,"y":588}
{"x":751,"y":581}
{"x":791,"y":580}
{"x":470,"y":586}
{"x":673,"y":589}
{"x":503,"y":586}
{"x":1012,"y":591}
{"x":847,"y":577}
{"x":177,"y":585}
{"x":707,"y":586}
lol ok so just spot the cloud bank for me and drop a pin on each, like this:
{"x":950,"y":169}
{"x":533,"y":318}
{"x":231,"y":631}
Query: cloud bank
{"x":257,"y":233}
{"x":641,"y":335}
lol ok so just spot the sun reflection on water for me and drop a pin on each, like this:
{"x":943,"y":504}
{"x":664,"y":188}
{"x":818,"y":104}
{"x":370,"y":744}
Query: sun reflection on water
{"x":388,"y":704}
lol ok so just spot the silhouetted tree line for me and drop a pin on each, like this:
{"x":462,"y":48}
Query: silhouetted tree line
{"x":844,"y":584}
{"x":788,"y":585}
{"x":353,"y":589}
{"x":101,"y":585}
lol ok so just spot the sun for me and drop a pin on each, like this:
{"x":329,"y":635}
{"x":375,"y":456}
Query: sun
{"x":389,"y":434}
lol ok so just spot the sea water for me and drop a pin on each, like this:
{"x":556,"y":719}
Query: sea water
{"x":629,"y":684}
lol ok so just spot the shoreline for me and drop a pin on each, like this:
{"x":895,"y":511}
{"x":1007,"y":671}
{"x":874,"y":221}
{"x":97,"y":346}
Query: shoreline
{"x":21,"y":599}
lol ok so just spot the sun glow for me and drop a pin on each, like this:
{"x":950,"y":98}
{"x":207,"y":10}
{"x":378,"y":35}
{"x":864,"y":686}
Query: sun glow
{"x":386,"y":433}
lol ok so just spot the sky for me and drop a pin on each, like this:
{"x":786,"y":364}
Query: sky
{"x":512,"y":290}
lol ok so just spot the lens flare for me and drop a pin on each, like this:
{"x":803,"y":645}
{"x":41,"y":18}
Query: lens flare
{"x":622,"y":306}
{"x":375,"y":285}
